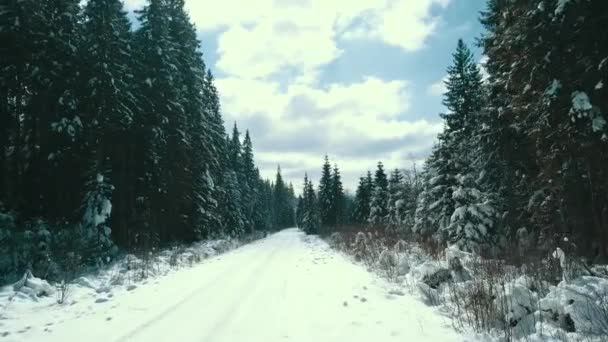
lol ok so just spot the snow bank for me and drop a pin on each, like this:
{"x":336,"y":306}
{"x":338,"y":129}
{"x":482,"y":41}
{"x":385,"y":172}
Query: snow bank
{"x":584,"y":300}
{"x":528,"y":308}
{"x":100,"y":285}
{"x":30,"y":287}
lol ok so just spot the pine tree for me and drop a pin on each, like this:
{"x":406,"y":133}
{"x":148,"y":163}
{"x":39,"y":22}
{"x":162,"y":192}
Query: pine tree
{"x":249,"y":184}
{"x":406,"y":209}
{"x":234,"y":218}
{"x":216,"y":147}
{"x":361,"y":209}
{"x":163,"y":113}
{"x":108,"y":104}
{"x":379,"y":199}
{"x":23,"y":26}
{"x":311,"y":221}
{"x":396,"y":199}
{"x":56,"y":146}
{"x":284,"y":211}
{"x":326,"y":200}
{"x":547,"y":90}
{"x":338,"y":198}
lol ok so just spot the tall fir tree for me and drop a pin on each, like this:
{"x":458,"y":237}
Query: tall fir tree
{"x":326,"y":200}
{"x":108,"y":105}
{"x":396,"y":195}
{"x":338,"y":198}
{"x":361,"y":208}
{"x":379,"y":198}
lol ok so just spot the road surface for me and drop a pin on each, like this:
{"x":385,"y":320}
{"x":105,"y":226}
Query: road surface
{"x":286,"y":287}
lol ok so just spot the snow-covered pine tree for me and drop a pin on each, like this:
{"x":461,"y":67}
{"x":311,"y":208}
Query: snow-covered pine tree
{"x":299,"y":211}
{"x":161,"y":117}
{"x":107,"y":104}
{"x":363,"y":199}
{"x":472,"y":222}
{"x":218,"y":148}
{"x":55,"y":145}
{"x":379,"y":199}
{"x":311,"y":221}
{"x":326,"y":200}
{"x":406,"y":209}
{"x":547,"y":86}
{"x":233,"y":217}
{"x":396,"y":200}
{"x":249,"y":183}
{"x":95,"y":235}
{"x":23,"y":25}
{"x":338,"y":198}
{"x":283,"y":208}
{"x":189,"y":144}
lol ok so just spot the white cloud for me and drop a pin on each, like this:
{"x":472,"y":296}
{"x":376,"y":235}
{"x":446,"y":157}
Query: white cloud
{"x":360,"y":123}
{"x":405,"y":24}
{"x":272,"y":54}
{"x":263,"y":37}
{"x":438,"y":88}
{"x":272,"y":46}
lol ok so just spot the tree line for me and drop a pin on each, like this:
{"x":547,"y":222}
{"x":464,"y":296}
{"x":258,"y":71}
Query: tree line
{"x":113,"y":138}
{"x":522,"y":160}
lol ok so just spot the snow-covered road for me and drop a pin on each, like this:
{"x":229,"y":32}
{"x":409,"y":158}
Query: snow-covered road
{"x":286,"y":287}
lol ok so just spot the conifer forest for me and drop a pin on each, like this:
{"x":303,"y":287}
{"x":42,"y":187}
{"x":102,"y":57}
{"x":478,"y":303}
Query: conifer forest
{"x":304,"y":170}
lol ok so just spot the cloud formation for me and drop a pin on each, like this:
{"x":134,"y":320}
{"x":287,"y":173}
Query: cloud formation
{"x":271,"y":56}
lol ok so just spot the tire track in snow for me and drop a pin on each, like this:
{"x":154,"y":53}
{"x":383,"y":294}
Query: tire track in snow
{"x":211,"y":283}
{"x":241,"y":306}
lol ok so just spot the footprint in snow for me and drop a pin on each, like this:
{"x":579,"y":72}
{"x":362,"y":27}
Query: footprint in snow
{"x":101,"y":300}
{"x":363,"y":300}
{"x":355,"y":296}
{"x":5,"y":333}
{"x":345,"y":303}
{"x":131,"y":287}
{"x":108,"y":318}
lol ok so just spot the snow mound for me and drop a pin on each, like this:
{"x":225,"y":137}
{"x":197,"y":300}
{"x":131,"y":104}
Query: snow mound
{"x":584,"y":300}
{"x":32,"y":287}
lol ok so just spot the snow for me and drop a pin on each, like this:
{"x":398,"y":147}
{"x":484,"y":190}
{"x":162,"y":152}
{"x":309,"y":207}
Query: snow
{"x":580,"y":102}
{"x":561,"y":4}
{"x":552,"y":90}
{"x":286,"y":287}
{"x":598,"y":123}
{"x":599,"y":85}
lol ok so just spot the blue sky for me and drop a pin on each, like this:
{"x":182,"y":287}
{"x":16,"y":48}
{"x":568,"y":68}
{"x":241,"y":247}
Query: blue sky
{"x":359,"y":80}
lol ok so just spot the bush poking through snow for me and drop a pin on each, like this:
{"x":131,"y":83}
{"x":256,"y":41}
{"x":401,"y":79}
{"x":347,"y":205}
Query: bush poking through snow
{"x":33,"y":287}
{"x":388,"y":263}
{"x":490,"y":296}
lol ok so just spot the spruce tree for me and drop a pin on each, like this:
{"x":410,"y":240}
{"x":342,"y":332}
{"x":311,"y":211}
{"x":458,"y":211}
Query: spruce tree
{"x":249,"y":185}
{"x":396,"y":199}
{"x":547,"y":90}
{"x":379,"y":199}
{"x":160,"y":102}
{"x":338,"y":198}
{"x":109,"y":104}
{"x":326,"y":200}
{"x":362,"y":203}
{"x":311,"y":221}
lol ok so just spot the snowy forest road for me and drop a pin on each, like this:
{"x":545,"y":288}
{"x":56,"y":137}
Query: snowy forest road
{"x":286,"y":287}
